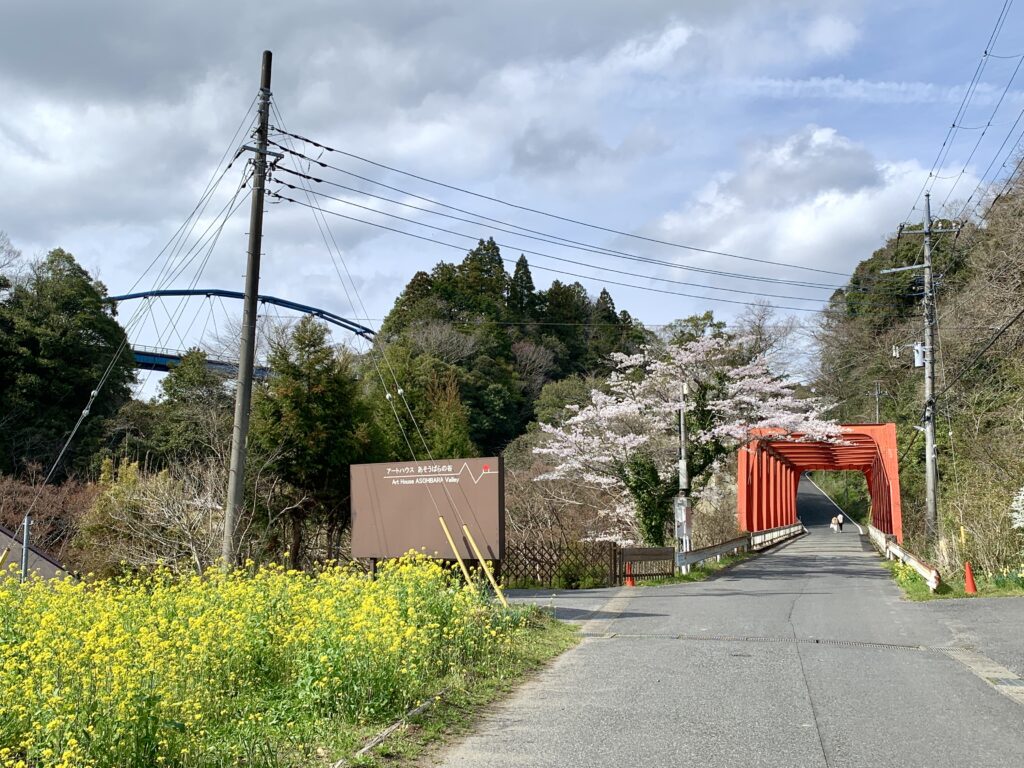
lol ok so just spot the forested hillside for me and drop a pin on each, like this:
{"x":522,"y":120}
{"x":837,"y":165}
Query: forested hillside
{"x":492,"y":338}
{"x":980,"y":388}
{"x":459,"y":369}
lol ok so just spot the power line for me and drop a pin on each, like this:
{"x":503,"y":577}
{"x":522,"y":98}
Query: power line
{"x":398,"y":388}
{"x":546,"y":238}
{"x":385,"y":227}
{"x":561,"y":240}
{"x":982,"y":136}
{"x":546,"y":255}
{"x":910,"y":445}
{"x":566,"y":219}
{"x":947,"y":142}
{"x":872,"y":305}
{"x":981,"y":352}
{"x":1009,"y":181}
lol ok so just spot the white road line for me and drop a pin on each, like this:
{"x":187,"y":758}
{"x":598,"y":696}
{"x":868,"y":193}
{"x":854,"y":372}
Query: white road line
{"x":846,"y":515}
{"x":996,"y":675}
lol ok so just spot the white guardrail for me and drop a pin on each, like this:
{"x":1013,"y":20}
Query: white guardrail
{"x":749,"y":541}
{"x":886,"y":544}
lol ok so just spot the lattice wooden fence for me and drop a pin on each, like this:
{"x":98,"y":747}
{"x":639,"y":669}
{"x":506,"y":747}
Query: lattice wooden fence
{"x":647,"y":563}
{"x":556,"y":566}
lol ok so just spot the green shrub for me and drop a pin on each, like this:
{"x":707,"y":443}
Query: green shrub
{"x":573,"y":573}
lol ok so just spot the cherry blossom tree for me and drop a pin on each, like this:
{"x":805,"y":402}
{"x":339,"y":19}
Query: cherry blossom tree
{"x":625,"y":440}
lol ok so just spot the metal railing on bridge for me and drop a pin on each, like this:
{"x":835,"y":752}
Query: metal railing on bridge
{"x":745,"y":543}
{"x":160,"y":359}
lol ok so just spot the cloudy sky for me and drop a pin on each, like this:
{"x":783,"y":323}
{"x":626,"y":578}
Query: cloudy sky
{"x":793,"y":131}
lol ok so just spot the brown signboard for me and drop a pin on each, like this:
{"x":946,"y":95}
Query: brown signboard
{"x":396,"y":506}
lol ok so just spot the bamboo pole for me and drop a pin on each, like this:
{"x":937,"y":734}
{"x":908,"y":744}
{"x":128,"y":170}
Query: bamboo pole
{"x":455,"y":551}
{"x":483,"y":564}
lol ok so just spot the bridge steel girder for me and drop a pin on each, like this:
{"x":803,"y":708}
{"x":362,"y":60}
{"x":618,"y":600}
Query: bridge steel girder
{"x":769,"y":469}
{"x":357,"y":328}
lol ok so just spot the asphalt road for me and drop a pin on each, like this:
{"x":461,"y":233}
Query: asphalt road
{"x":804,"y":656}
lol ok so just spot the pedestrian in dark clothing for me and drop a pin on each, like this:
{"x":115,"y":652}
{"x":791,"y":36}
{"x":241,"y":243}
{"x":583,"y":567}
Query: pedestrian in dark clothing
{"x":839,"y":520}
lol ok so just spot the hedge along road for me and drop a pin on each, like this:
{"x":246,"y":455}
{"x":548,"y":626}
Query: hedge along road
{"x":805,"y":656}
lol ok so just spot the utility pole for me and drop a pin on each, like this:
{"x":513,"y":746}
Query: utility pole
{"x":247,"y":351}
{"x":931,"y":474}
{"x":878,"y":395}
{"x":684,"y":523}
{"x":931,"y":478}
{"x":25,"y":539}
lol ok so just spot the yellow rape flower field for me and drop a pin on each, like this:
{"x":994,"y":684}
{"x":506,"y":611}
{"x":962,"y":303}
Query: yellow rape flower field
{"x":257,"y":667}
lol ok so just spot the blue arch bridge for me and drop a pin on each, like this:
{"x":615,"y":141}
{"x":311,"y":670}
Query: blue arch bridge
{"x":160,"y":359}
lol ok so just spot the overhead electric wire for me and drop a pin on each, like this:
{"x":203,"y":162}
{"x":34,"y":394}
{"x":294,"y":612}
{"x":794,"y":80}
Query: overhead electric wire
{"x":909,"y":446}
{"x":376,"y":225}
{"x":555,"y":216}
{"x":325,"y":230}
{"x":1009,"y":180}
{"x":974,"y":361}
{"x":545,"y":255}
{"x":551,"y":239}
{"x":947,"y":142}
{"x":981,"y":137}
{"x":1006,"y":159}
{"x":399,"y":390}
{"x":563,"y":240}
{"x":173,"y":318}
{"x":208,"y":192}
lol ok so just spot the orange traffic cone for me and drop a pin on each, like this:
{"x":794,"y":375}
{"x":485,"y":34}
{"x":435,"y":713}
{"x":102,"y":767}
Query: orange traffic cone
{"x":969,"y":587}
{"x":629,"y":575}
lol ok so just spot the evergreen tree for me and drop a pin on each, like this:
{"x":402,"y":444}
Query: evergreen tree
{"x":482,"y":280}
{"x":59,"y":336}
{"x":312,"y":418}
{"x":566,"y":314}
{"x":415,"y":300}
{"x":605,"y":334}
{"x":522,"y":296}
{"x":195,"y":411}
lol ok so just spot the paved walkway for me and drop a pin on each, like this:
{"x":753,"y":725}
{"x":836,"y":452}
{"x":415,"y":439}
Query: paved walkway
{"x":805,"y":656}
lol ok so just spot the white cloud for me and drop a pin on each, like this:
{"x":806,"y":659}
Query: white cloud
{"x":814,"y":199}
{"x":861,"y":90}
{"x":831,"y":35}
{"x":649,"y":54}
{"x":605,"y":111}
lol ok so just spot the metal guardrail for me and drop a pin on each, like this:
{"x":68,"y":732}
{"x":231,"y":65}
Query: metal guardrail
{"x":745,"y":543}
{"x":695,"y":556}
{"x":762,"y":539}
{"x":887,"y":546}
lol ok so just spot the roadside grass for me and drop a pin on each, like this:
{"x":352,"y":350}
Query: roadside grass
{"x":699,"y":572}
{"x":915,"y":588}
{"x":457,"y":711}
{"x":265,"y":668}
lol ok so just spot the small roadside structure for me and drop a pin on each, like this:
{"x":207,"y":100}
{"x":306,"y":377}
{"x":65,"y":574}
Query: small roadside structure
{"x":38,"y":562}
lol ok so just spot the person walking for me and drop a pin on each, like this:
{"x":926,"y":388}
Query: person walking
{"x":834,"y":525}
{"x":839,"y":521}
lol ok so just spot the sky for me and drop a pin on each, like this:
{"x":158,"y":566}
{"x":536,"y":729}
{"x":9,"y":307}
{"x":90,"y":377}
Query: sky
{"x":795,"y":134}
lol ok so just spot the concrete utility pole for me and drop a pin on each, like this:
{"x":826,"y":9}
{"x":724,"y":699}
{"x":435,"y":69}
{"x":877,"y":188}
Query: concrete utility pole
{"x":878,"y":396}
{"x":247,"y":350}
{"x":25,"y":539}
{"x":684,"y":523}
{"x":931,"y":475}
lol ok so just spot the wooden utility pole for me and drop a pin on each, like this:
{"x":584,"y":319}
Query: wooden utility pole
{"x":247,"y":350}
